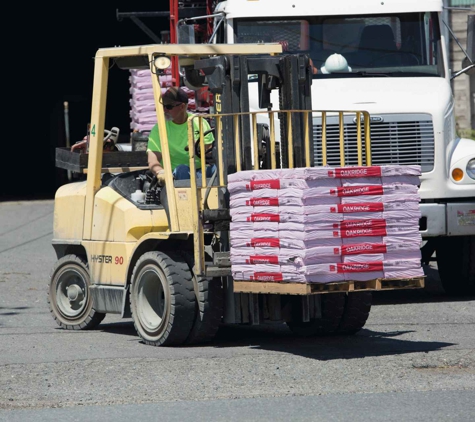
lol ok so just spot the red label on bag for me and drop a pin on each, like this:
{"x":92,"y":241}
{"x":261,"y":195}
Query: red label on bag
{"x":361,"y":248}
{"x":360,"y":190}
{"x":361,"y":207}
{"x":263,"y":259}
{"x":352,"y":224}
{"x":264,"y":217}
{"x":263,"y":202}
{"x":267,"y":277}
{"x":359,"y":267}
{"x":378,"y":223}
{"x":264,"y":242}
{"x":352,"y":172}
{"x":263,"y":184}
{"x":363,"y":232}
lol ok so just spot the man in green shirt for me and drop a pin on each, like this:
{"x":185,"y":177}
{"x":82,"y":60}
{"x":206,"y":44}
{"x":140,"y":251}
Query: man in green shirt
{"x":175,"y":102}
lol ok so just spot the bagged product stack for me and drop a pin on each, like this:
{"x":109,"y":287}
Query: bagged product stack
{"x":325,"y":224}
{"x":142,"y":105}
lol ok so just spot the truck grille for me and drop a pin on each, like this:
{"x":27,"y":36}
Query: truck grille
{"x":396,"y":139}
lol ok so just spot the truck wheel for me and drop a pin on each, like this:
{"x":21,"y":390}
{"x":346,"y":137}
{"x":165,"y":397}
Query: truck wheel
{"x":456,"y":264}
{"x":209,"y":306}
{"x":333,"y":305}
{"x":162,"y":300}
{"x":68,"y":295}
{"x":357,"y":308}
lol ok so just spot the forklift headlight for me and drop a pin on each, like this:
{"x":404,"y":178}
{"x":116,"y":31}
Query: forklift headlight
{"x":162,"y":62}
{"x":471,"y":168}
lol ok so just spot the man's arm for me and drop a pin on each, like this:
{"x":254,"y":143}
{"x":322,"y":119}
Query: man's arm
{"x":154,"y":158}
{"x":209,"y":138}
{"x":154,"y":154}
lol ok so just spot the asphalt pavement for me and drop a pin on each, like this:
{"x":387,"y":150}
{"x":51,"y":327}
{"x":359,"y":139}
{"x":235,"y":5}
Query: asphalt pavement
{"x":413,"y":361}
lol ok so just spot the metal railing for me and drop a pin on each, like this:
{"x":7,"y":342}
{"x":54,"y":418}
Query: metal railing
{"x":362,"y":135}
{"x":284,"y":118}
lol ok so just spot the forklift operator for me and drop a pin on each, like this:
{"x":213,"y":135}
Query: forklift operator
{"x":175,"y":101}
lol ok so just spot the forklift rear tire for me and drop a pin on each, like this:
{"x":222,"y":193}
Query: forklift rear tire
{"x":357,"y":309}
{"x":69,"y":298}
{"x":333,"y":306}
{"x":162,"y":299}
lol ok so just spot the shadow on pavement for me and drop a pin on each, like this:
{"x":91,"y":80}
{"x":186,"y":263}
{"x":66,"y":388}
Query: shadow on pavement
{"x":124,"y":327}
{"x":366,"y":343}
{"x":279,"y":338}
{"x":9,"y":311}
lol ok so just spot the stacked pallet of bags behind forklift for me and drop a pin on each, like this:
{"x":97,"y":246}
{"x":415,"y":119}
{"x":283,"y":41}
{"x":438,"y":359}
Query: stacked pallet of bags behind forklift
{"x":142,"y":105}
{"x":325,"y":224}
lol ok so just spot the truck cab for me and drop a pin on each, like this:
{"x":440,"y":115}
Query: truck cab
{"x":394,"y":64}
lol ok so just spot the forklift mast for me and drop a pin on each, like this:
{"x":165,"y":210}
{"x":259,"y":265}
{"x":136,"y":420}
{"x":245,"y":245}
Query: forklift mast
{"x":228,"y":79}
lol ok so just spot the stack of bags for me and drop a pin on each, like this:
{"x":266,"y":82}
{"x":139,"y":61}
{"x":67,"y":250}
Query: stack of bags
{"x":142,"y":104}
{"x":325,"y":224}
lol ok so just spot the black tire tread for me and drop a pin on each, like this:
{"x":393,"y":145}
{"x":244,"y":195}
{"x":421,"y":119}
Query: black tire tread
{"x":209,"y":307}
{"x":356,"y":313}
{"x":182,"y":297}
{"x":333,"y":305}
{"x":94,"y":318}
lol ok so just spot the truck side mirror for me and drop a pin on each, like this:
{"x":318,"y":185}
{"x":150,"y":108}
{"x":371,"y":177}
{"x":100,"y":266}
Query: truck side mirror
{"x":470,"y":45}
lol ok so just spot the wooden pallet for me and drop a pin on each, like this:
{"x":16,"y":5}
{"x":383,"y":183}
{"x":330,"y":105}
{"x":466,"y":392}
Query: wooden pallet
{"x":317,"y":288}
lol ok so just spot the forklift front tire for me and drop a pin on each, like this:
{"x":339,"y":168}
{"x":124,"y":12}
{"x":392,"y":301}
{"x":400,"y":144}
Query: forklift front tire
{"x":162,"y":299}
{"x":69,"y":298}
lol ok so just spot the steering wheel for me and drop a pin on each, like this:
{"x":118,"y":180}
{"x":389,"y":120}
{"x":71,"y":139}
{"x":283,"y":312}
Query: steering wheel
{"x":209,"y":153}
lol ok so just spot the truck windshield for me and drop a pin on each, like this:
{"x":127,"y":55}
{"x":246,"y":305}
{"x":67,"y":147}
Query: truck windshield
{"x":406,"y":44}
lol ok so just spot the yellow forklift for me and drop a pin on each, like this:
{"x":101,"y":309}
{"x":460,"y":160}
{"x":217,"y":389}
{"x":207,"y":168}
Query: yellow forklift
{"x":158,"y":250}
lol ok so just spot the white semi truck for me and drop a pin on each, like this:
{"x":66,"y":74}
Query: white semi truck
{"x":397,"y":53}
{"x":397,"y":58}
